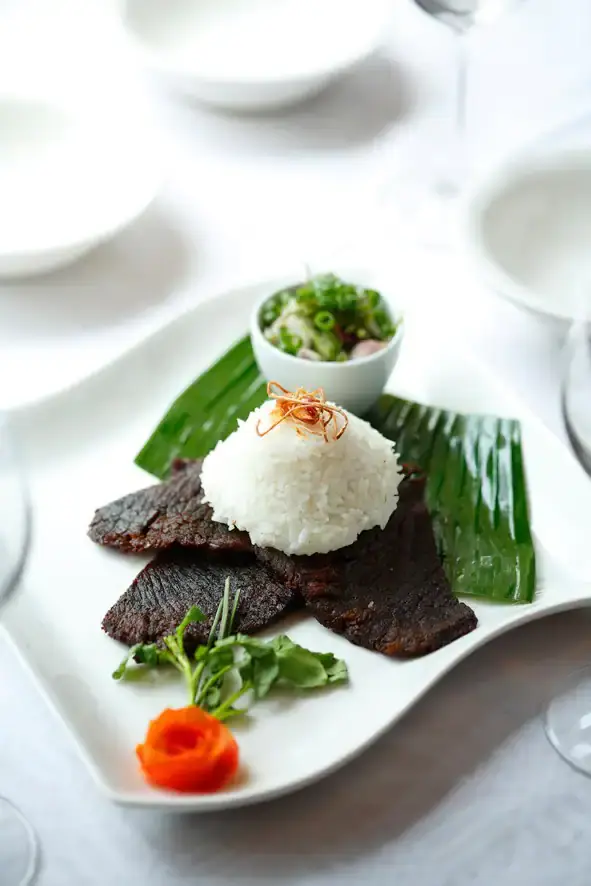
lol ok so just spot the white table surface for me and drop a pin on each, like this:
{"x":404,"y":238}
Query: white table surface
{"x":465,"y":790}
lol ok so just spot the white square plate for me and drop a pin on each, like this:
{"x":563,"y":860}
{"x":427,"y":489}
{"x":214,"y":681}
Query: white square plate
{"x":81,"y":447}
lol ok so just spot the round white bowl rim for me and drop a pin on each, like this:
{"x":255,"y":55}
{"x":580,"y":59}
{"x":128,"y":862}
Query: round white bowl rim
{"x":97,"y":235}
{"x":493,"y":183}
{"x":88,"y":234}
{"x":163,"y":62}
{"x":334,"y":365}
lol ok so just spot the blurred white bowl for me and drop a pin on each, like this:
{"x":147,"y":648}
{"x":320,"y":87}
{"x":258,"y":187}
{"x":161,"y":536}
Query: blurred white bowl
{"x":254,"y":54}
{"x":68,"y":181}
{"x":527,"y":230}
{"x":355,"y":385}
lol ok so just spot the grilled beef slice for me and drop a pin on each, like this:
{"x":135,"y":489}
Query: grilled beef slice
{"x":165,"y":514}
{"x":164,"y":591}
{"x":387,"y":591}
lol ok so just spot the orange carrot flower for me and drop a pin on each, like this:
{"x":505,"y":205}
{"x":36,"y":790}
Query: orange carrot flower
{"x":188,"y":750}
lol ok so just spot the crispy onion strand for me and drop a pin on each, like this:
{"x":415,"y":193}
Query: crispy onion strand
{"x":308,"y":411}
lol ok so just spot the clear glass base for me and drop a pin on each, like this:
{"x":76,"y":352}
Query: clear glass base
{"x":568,"y":722}
{"x":18,"y":847}
{"x":576,"y":385}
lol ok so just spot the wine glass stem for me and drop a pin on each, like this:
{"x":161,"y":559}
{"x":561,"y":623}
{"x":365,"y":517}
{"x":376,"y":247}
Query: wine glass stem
{"x":461,"y":89}
{"x":18,"y":847}
{"x":451,"y":185}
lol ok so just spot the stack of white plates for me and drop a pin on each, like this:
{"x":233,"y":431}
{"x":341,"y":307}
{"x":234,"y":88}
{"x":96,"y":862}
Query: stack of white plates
{"x":254,"y":54}
{"x":68,"y":179}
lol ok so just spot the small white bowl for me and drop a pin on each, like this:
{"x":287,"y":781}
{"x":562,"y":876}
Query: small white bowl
{"x":527,"y":231}
{"x":68,"y":181}
{"x":253,"y":55}
{"x":355,"y":385}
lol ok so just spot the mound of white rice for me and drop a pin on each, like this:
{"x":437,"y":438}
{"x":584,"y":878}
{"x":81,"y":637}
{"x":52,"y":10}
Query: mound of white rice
{"x":300,"y":494}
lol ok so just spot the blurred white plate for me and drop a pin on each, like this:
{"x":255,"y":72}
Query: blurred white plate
{"x":527,"y":228}
{"x":68,"y":181}
{"x":81,"y":447}
{"x":254,"y":54}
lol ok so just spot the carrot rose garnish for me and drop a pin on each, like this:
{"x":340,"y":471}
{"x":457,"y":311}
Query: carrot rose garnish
{"x":188,"y":750}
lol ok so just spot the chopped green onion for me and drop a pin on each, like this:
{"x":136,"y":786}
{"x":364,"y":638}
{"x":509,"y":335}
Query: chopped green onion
{"x":307,"y":309}
{"x":269,"y":317}
{"x":289,"y":343}
{"x":324,"y":321}
{"x":304,"y":294}
{"x":383,"y":324}
{"x":327,"y":345}
{"x":373,"y":298}
{"x":321,"y":305}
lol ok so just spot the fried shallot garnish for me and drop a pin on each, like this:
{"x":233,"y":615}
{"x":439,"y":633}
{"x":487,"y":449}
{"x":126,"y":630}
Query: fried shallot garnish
{"x":308,"y":411}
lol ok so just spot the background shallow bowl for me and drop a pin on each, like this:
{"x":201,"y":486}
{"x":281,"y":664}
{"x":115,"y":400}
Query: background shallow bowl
{"x":68,"y":180}
{"x":355,"y":385}
{"x":253,"y":55}
{"x":527,"y":227}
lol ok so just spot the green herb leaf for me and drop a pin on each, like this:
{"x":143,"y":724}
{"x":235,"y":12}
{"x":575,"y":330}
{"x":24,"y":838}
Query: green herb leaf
{"x":144,"y":654}
{"x":303,"y":669}
{"x":214,"y":625}
{"x":213,"y":699}
{"x":265,"y":672}
{"x":234,"y":610}
{"x":227,"y":669}
{"x":120,"y":670}
{"x":282,"y":644}
{"x":193,"y":616}
{"x":228,"y":707}
{"x":336,"y":669}
{"x":220,"y":657}
{"x":246,"y":669}
{"x":149,"y":654}
{"x":225,"y":611}
{"x":255,"y":647}
{"x":211,"y":679}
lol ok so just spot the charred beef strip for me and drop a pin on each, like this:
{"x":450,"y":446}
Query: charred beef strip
{"x":164,"y":591}
{"x":166,"y":514}
{"x":387,"y":591}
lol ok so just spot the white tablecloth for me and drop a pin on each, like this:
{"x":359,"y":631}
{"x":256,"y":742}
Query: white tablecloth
{"x":465,"y":790}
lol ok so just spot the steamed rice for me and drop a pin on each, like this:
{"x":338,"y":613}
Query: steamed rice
{"x":298,"y":494}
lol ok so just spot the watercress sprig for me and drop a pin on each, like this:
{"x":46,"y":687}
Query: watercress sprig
{"x":231,"y":666}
